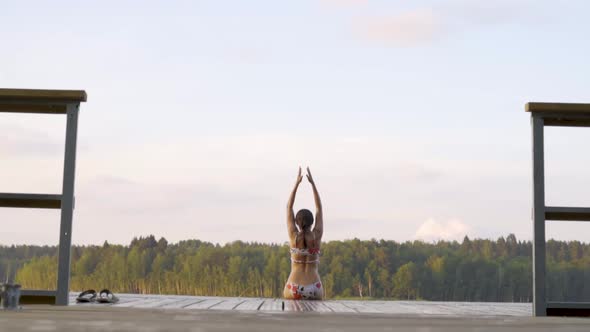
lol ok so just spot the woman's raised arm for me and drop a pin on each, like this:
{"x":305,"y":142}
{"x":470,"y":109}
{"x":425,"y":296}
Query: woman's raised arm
{"x":291,"y":228}
{"x":319,"y":216}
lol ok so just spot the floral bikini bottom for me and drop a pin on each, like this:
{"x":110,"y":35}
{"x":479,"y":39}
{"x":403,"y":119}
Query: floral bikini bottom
{"x":307,"y":292}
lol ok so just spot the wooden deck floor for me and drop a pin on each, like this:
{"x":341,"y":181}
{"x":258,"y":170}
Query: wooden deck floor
{"x":95,"y":318}
{"x":452,"y":309}
{"x":155,"y":313}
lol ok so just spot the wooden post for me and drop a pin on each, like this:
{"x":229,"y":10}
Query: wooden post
{"x":539,"y":286}
{"x":67,"y":206}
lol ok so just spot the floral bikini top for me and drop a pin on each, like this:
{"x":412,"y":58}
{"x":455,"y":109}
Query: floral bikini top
{"x":305,"y":252}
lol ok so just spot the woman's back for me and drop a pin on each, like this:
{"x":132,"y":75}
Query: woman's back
{"x":305,"y":254}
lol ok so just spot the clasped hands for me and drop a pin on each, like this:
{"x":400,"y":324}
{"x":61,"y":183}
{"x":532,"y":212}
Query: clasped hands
{"x":308,"y":175}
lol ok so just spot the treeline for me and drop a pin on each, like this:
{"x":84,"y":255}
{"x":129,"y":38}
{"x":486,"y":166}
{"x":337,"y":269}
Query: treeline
{"x":473,"y":270}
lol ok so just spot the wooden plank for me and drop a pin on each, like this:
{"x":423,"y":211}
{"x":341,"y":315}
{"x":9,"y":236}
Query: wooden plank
{"x":206,"y":304}
{"x":397,"y":307}
{"x":158,"y":303}
{"x":182,"y":303}
{"x":130,"y":301}
{"x":135,"y":304}
{"x":447,"y":309}
{"x":43,"y":95}
{"x":33,"y":108}
{"x":464,"y":309}
{"x":493,"y":308}
{"x":336,"y":306}
{"x":460,"y":309}
{"x":362,"y":307}
{"x":250,"y":305}
{"x":39,"y":201}
{"x":132,"y":298}
{"x":567,"y":213}
{"x":227,"y":304}
{"x":272,"y":305}
{"x":289,"y":305}
{"x":557,"y":107}
{"x":316,"y":306}
{"x":523,"y":309}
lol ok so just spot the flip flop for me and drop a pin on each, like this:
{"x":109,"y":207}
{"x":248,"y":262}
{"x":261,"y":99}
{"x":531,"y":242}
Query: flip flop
{"x":106,"y":296}
{"x":86,"y":296}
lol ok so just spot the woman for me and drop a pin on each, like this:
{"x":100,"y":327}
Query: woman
{"x":304,"y":280}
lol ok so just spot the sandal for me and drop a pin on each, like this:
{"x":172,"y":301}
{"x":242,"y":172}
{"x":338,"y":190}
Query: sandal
{"x":106,"y":296}
{"x":86,"y":296}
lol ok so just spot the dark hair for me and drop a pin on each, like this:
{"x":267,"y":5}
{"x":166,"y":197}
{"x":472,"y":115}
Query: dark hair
{"x":304,"y":219}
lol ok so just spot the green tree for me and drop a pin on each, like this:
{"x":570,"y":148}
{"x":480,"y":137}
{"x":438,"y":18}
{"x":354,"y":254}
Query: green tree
{"x":405,"y":282}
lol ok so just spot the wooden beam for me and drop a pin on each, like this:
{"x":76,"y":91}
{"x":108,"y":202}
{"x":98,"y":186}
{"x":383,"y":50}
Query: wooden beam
{"x":43,"y":95}
{"x":33,"y":108}
{"x":574,"y":309}
{"x":29,"y":296}
{"x":557,"y":107}
{"x":561,"y":114}
{"x":577,"y":305}
{"x":39,"y":201}
{"x":39,"y":292}
{"x":567,"y":213}
{"x":567,"y":122}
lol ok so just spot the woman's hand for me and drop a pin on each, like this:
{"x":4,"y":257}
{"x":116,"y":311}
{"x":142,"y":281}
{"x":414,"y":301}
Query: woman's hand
{"x":299,"y":176}
{"x":309,"y":178}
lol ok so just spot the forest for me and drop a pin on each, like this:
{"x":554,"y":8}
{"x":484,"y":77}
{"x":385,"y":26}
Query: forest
{"x":471,"y":270}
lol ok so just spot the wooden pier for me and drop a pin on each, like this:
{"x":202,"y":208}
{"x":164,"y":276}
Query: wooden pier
{"x":459,"y":309}
{"x":154,"y":313}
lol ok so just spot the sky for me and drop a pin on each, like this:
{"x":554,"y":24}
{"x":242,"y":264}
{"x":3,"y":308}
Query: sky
{"x":409,"y":114}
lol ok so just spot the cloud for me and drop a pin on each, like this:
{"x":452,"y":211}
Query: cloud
{"x":406,"y":29}
{"x":423,"y":25}
{"x":433,"y":230}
